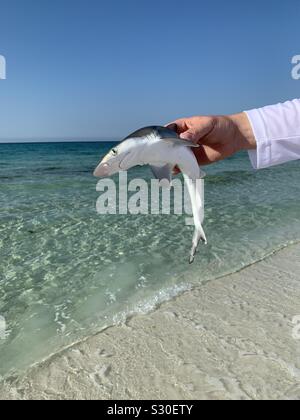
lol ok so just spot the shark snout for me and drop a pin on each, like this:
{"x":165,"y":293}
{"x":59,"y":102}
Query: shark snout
{"x":102,"y":170}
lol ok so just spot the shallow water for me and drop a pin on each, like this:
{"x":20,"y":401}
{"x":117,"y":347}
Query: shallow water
{"x":67,"y":272}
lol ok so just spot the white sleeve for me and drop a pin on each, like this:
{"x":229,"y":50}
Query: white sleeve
{"x":277,"y":132}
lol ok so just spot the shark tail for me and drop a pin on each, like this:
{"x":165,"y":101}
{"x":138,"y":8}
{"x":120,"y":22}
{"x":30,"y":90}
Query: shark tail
{"x":199,"y":235}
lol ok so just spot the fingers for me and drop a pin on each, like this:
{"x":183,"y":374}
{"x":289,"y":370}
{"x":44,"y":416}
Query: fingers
{"x":193,"y":129}
{"x":178,"y":125}
{"x":198,"y":130}
{"x":172,"y":126}
{"x":191,"y":135}
{"x":184,"y":129}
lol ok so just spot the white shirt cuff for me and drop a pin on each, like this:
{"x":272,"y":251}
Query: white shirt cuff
{"x":261,"y":157}
{"x":277,"y":132}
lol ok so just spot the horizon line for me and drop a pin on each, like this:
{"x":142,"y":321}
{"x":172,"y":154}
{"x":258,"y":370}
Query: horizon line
{"x":57,"y":140}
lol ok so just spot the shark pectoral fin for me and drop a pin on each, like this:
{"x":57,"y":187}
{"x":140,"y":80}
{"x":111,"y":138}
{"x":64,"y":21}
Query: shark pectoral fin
{"x":177,"y":141}
{"x":202,"y":174}
{"x":162,"y":172}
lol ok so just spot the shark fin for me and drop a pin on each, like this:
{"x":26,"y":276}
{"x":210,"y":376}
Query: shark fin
{"x":202,"y":174}
{"x":162,"y":172}
{"x":177,"y":141}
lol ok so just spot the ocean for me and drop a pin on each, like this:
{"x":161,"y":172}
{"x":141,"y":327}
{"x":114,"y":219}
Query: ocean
{"x":67,"y":272}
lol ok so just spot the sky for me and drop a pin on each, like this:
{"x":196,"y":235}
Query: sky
{"x":101,"y":69}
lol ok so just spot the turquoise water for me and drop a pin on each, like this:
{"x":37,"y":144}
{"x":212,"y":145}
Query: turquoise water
{"x":67,"y":272}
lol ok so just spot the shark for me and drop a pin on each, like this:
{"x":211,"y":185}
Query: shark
{"x":162,"y":149}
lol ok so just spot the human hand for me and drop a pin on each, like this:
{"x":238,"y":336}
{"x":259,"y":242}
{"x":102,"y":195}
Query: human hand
{"x":218,"y":136}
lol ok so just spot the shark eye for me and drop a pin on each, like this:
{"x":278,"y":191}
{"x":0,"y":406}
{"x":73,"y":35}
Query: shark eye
{"x":114,"y":152}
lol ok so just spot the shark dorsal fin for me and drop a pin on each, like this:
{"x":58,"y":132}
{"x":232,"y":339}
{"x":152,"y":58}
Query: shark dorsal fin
{"x":163,"y":133}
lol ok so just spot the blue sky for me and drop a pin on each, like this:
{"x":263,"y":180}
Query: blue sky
{"x":104,"y":68}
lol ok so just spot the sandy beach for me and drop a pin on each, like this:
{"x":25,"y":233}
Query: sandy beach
{"x":231,"y":338}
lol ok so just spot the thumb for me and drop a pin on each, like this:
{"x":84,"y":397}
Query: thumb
{"x":190,"y":135}
{"x":196,"y":133}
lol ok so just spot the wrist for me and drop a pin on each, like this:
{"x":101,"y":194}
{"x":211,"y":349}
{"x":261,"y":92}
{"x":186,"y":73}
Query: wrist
{"x":244,"y":136}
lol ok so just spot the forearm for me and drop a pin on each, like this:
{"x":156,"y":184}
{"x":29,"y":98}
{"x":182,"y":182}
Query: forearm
{"x":244,"y":136}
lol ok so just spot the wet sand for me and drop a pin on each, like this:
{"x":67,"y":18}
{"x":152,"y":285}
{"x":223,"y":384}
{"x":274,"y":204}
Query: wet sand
{"x":231,"y":338}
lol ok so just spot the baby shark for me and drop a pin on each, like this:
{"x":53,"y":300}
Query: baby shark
{"x":162,"y":149}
